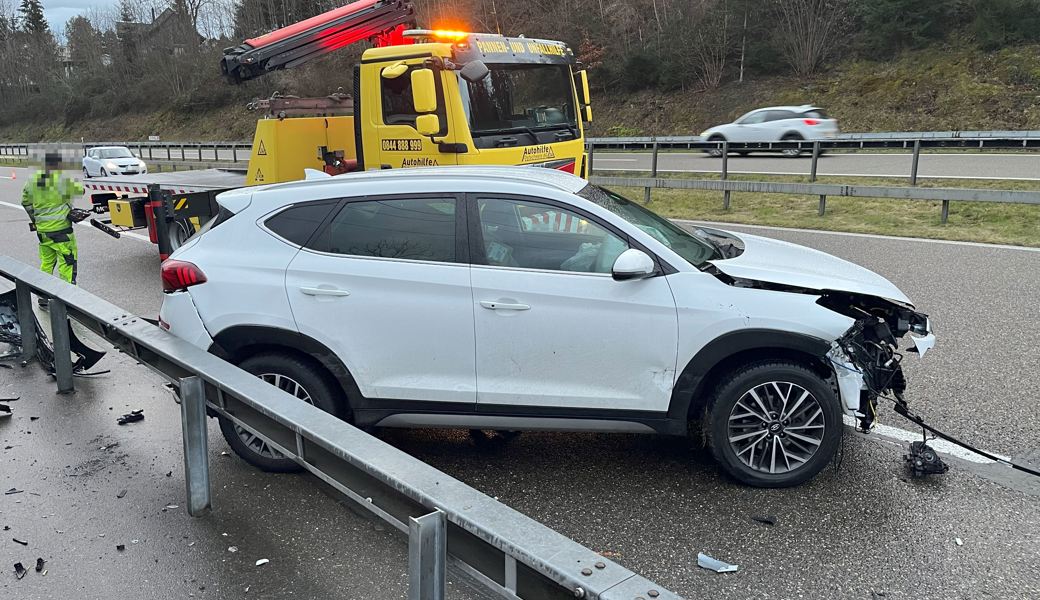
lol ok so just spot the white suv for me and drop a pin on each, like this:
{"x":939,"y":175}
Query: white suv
{"x":514,"y":298}
{"x":774,"y":124}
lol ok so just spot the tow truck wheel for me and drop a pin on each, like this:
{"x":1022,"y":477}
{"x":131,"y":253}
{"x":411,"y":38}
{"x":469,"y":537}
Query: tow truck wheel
{"x":773,"y":424}
{"x":292,"y":375}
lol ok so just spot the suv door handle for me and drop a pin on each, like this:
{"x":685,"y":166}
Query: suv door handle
{"x":503,"y":306}
{"x":320,"y":291}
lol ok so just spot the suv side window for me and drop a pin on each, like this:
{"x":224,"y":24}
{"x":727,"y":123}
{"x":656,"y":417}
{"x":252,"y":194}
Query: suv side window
{"x":780,"y":115}
{"x":410,"y":229}
{"x":755,"y":118}
{"x":532,"y":235}
{"x":298,"y":222}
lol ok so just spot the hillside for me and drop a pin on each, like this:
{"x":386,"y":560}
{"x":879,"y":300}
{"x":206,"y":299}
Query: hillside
{"x":938,"y":88}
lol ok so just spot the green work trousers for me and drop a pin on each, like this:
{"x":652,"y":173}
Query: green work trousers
{"x":61,"y":253}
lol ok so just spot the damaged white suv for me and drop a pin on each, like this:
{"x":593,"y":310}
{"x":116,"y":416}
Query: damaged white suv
{"x":526,"y":299}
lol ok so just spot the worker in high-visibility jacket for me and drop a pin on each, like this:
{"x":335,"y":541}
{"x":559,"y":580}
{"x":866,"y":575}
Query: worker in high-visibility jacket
{"x":47,"y":197}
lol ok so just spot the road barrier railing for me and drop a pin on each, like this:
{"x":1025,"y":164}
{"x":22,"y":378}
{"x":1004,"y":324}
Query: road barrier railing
{"x":823,"y":190}
{"x":843,"y":141}
{"x":508,"y":553}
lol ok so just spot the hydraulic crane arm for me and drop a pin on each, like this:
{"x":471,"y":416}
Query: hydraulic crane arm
{"x":380,"y":21}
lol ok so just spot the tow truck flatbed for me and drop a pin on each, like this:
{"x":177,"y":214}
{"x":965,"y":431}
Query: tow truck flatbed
{"x":175,"y":182}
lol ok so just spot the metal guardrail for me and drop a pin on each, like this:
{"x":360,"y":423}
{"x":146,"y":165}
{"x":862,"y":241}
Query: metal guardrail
{"x":844,"y":141}
{"x":823,"y":190}
{"x":185,"y":151}
{"x":18,"y":150}
{"x":446,"y":520}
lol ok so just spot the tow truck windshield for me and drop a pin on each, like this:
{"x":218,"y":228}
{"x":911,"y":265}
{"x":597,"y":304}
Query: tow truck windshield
{"x":521,"y":105}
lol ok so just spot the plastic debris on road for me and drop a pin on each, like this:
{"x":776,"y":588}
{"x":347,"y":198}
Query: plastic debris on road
{"x":959,"y":541}
{"x":232,"y":549}
{"x":262,"y":561}
{"x":18,"y":541}
{"x":19,"y":570}
{"x":5,"y":411}
{"x":707,"y":562}
{"x":765,"y":519}
{"x":39,"y":564}
{"x":131,"y":417}
{"x":13,"y":491}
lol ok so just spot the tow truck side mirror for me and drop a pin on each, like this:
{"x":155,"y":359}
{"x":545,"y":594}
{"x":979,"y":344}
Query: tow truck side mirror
{"x":475,"y":71}
{"x":395,"y":70}
{"x":428,"y":125}
{"x":581,"y":82}
{"x":424,"y":91}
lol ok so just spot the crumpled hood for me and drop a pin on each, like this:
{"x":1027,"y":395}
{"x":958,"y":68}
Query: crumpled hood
{"x":774,"y":261}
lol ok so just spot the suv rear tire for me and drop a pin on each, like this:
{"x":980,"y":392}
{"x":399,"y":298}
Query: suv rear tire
{"x":296,"y":376}
{"x":792,"y":152}
{"x":773,"y":424}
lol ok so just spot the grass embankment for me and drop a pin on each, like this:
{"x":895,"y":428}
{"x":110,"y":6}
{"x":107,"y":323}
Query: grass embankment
{"x":994,"y":223}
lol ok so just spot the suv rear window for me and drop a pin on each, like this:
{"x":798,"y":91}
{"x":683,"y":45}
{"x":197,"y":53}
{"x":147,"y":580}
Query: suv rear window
{"x":298,"y":223}
{"x":816,"y":113}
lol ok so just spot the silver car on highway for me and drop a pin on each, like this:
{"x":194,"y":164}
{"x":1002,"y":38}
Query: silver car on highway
{"x":102,"y":161}
{"x":774,"y":124}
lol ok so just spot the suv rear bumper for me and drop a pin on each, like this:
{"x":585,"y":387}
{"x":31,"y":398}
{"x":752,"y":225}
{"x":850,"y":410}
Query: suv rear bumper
{"x":179,"y":316}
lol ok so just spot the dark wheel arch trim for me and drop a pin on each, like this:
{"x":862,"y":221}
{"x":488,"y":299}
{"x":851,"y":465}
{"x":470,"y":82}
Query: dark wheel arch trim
{"x":235,"y":343}
{"x":692,"y":386}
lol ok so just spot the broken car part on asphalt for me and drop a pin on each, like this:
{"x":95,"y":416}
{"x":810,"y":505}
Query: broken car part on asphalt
{"x":131,"y":417}
{"x":713,"y":564}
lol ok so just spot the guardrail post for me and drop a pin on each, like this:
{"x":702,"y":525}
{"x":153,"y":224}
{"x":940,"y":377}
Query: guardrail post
{"x":192,"y":393}
{"x":913,"y":165}
{"x":427,"y":556}
{"x":182,"y":152}
{"x":823,"y":205}
{"x":815,"y":159}
{"x":725,"y":174}
{"x":168,"y":157}
{"x":62,"y":345}
{"x":945,"y":211}
{"x":234,"y":152}
{"x":653,"y":172}
{"x":26,"y":320}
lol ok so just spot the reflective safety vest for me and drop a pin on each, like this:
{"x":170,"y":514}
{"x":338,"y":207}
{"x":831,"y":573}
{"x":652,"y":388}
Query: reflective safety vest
{"x":49,"y":204}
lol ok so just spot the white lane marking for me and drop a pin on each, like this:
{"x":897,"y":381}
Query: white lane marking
{"x":874,"y":236}
{"x":940,"y":445}
{"x":137,"y":236}
{"x":615,"y":160}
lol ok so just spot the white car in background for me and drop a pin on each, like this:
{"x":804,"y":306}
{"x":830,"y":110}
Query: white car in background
{"x":774,"y":124}
{"x":102,"y":161}
{"x":516,"y":298}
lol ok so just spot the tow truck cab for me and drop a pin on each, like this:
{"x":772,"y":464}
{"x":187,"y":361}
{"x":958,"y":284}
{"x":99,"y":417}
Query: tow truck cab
{"x":452,"y":98}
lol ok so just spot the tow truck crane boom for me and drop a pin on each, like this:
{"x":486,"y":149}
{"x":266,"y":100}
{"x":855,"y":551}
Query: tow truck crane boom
{"x":382,"y":22}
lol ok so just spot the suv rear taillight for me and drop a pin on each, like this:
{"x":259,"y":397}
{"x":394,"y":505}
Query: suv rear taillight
{"x":180,"y":275}
{"x":811,"y":121}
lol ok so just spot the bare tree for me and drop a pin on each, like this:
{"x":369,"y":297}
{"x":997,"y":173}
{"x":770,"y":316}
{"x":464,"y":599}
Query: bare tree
{"x":712,"y":44}
{"x":808,"y":30}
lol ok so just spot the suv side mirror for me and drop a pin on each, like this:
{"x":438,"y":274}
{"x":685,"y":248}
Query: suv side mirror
{"x":633,"y":264}
{"x":474,"y":71}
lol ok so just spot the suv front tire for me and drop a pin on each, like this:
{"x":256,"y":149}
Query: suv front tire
{"x":773,"y":423}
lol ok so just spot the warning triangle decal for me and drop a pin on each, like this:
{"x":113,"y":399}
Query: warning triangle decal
{"x":262,"y":151}
{"x":259,"y":175}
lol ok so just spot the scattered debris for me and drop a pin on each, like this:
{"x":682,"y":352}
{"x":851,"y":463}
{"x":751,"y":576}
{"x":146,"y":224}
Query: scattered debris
{"x":7,"y":528}
{"x":232,"y":549}
{"x":30,"y":418}
{"x":707,"y":562}
{"x":13,"y":491}
{"x":131,"y":417}
{"x":767,"y":519}
{"x":19,"y":570}
{"x":39,"y":564}
{"x":262,"y":561}
{"x":171,"y":506}
{"x":121,"y":494}
{"x":5,"y":411}
{"x":121,"y":547}
{"x":223,"y":453}
{"x":18,"y":541}
{"x":959,"y":541}
{"x":169,"y":473}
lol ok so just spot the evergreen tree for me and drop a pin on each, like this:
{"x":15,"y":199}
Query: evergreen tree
{"x":33,"y":21}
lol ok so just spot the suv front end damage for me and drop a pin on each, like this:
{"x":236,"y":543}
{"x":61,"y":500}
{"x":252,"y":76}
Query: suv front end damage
{"x":866,"y":358}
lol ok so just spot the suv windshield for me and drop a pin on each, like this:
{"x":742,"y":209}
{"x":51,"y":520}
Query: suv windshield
{"x":115,"y":153}
{"x":696,"y":251}
{"x":521,"y":99}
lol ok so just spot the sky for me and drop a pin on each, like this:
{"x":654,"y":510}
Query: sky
{"x":58,"y":12}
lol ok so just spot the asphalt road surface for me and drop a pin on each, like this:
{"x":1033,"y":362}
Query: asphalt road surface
{"x":860,"y":164}
{"x":860,"y":530}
